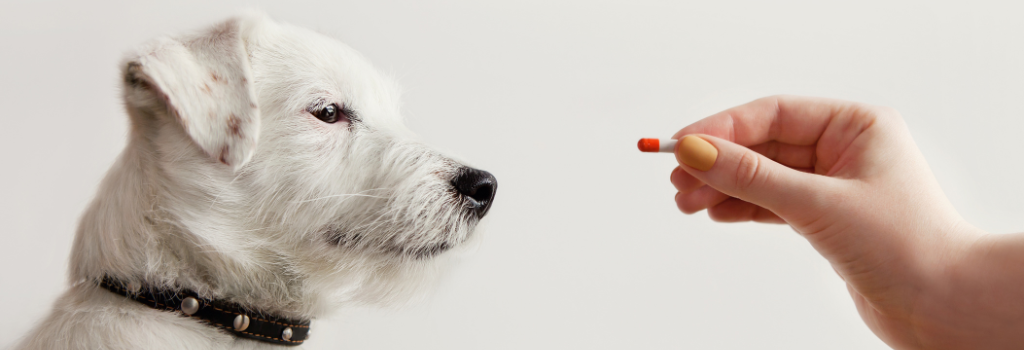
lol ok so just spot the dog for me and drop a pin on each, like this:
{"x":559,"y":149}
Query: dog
{"x":267,"y":180}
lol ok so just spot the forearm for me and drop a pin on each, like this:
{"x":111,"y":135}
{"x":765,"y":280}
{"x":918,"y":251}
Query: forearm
{"x":993,"y":276}
{"x":979,"y":300}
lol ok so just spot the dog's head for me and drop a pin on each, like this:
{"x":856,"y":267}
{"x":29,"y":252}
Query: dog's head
{"x":283,"y":165}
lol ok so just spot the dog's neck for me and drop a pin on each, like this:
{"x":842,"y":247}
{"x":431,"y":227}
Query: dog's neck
{"x":144,"y":226}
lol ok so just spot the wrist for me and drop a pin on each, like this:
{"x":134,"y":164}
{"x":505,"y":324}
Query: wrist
{"x":947,"y":312}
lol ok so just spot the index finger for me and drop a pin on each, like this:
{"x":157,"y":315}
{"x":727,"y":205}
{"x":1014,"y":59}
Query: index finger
{"x":795,"y":120}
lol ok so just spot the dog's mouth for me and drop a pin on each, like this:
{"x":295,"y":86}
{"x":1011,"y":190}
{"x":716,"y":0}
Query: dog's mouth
{"x":414,"y":247}
{"x":419,"y":226}
{"x":418,"y":236}
{"x":421,"y":253}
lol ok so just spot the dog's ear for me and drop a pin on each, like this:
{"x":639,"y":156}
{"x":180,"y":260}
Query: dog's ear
{"x":204,"y":82}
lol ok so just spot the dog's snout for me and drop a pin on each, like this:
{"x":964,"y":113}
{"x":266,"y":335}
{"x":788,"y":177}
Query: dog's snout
{"x":478,"y":187}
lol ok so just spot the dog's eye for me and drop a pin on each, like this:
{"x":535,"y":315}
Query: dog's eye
{"x":328,"y":114}
{"x":333,"y":113}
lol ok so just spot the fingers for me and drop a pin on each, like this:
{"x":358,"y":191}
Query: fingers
{"x":736,"y":210}
{"x":801,"y":158}
{"x":794,"y":120}
{"x":739,"y":172}
{"x":694,"y":196}
{"x":793,"y":156}
{"x":684,"y":182}
{"x":723,"y":208}
{"x":700,"y":199}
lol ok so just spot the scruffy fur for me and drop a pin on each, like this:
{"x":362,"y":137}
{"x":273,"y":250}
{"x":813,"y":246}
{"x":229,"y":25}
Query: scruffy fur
{"x":230,"y":187}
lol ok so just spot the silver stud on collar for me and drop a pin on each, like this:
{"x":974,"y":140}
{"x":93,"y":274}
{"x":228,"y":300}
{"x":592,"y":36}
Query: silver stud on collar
{"x":189,"y":306}
{"x":287,"y":333}
{"x":241,"y":322}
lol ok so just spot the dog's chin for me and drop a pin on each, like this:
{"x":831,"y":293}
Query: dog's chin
{"x":401,"y":250}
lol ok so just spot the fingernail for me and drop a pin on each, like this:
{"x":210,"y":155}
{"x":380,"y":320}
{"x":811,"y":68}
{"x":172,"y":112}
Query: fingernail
{"x":696,"y":153}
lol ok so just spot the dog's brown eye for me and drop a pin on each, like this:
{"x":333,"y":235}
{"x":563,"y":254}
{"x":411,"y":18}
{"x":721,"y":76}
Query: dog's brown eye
{"x":334,"y":113}
{"x":328,"y":114}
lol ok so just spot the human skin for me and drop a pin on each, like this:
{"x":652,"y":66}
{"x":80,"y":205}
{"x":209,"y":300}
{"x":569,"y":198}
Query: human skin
{"x":849,"y":178}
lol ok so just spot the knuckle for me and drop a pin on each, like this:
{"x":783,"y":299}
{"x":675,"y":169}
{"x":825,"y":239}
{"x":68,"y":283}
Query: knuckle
{"x":774,"y":98}
{"x":689,"y":207}
{"x":718,"y":216}
{"x":749,"y":171}
{"x":888,"y":113}
{"x":682,"y":203}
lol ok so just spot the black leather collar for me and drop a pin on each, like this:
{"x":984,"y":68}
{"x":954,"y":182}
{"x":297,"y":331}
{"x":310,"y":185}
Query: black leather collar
{"x":217,"y":313}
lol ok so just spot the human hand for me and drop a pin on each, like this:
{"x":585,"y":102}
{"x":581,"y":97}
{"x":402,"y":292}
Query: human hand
{"x":849,"y":178}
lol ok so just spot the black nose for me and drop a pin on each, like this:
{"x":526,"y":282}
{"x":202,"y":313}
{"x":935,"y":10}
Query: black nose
{"x":478,"y":187}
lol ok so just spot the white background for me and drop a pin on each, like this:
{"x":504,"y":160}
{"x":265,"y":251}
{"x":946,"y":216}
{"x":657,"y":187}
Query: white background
{"x":585,"y":248}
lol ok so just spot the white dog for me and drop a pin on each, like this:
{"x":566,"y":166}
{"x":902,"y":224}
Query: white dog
{"x":268,"y":179}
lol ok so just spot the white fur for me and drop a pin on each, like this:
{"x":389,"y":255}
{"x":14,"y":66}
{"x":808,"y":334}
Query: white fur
{"x":230,"y":187}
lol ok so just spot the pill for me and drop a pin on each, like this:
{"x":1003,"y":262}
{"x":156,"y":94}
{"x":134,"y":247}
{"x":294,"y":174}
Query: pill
{"x":657,"y":145}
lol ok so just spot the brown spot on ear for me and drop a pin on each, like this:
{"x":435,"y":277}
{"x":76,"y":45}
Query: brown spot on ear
{"x":131,"y":76}
{"x":206,"y":87}
{"x":235,"y":125}
{"x":224,"y":155}
{"x":215,"y":77}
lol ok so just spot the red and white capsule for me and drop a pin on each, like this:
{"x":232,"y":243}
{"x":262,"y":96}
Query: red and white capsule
{"x":657,"y":145}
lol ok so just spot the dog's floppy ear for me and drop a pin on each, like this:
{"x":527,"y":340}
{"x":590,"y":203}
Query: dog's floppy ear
{"x":204,"y":81}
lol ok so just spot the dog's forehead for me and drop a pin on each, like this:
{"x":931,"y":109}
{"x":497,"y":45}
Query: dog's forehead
{"x":309,"y":64}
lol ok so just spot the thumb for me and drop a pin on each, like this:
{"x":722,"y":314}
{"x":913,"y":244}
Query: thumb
{"x":740,"y":172}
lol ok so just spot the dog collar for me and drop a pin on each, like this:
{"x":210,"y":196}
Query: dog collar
{"x":217,"y":313}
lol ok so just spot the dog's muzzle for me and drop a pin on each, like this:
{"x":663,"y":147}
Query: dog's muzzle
{"x":477,"y":188}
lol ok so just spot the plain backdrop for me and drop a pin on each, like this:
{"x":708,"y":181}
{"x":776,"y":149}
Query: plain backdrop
{"x":585,"y":248}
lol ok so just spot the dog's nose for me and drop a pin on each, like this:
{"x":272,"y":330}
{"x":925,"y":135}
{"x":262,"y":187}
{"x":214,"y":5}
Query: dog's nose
{"x":478,"y":187}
